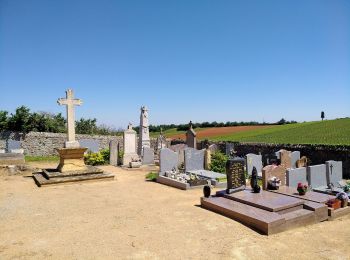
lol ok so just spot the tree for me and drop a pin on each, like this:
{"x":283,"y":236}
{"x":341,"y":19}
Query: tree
{"x":3,"y":120}
{"x":281,"y":122}
{"x":86,"y":126}
{"x":20,"y":121}
{"x":322,"y":115}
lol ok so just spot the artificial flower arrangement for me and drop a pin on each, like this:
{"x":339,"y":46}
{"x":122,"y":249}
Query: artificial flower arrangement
{"x":343,"y":197}
{"x":302,"y":188}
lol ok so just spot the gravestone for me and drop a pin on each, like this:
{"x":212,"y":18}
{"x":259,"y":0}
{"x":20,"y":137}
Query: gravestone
{"x":334,"y":170}
{"x":130,"y":153}
{"x":295,"y":156}
{"x":254,"y":160}
{"x":113,"y":153}
{"x":147,"y":156}
{"x":194,"y":159}
{"x":167,"y":160}
{"x":207,"y":158}
{"x":294,"y":176}
{"x":91,"y":145}
{"x":13,"y":145}
{"x":191,"y":137}
{"x":270,"y":171}
{"x":144,"y":140}
{"x":235,"y":175}
{"x":229,"y":148}
{"x":286,"y":159}
{"x":213,"y":148}
{"x":269,"y":159}
{"x":317,"y":175}
{"x":161,"y":141}
{"x":278,"y":153}
{"x":180,"y":149}
{"x":302,"y":162}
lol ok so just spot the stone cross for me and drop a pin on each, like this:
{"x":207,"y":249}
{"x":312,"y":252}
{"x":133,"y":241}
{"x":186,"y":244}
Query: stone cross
{"x":70,"y":102}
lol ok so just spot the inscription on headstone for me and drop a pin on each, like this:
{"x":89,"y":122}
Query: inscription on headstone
{"x":235,"y":175}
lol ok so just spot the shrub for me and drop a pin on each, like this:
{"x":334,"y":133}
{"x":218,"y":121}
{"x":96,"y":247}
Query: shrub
{"x":105,"y":155}
{"x":218,"y":162}
{"x":152,"y":176}
{"x":94,"y":158}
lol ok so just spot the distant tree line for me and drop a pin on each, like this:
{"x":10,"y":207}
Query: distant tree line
{"x":24,"y":121}
{"x":184,"y":127}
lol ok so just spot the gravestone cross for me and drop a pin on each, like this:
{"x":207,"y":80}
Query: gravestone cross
{"x":70,"y":102}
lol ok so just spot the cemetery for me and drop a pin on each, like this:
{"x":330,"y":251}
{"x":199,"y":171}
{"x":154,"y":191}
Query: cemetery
{"x":174,"y":129}
{"x":268,"y":193}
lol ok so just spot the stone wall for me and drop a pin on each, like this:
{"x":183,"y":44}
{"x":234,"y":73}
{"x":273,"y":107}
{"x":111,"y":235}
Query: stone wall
{"x":318,"y":154}
{"x":44,"y":144}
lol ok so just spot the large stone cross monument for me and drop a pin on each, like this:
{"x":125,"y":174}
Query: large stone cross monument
{"x":72,"y":167}
{"x":70,"y":102}
{"x":144,"y":140}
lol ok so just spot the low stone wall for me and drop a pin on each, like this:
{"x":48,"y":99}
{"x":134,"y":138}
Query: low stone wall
{"x":318,"y":154}
{"x":44,"y":144}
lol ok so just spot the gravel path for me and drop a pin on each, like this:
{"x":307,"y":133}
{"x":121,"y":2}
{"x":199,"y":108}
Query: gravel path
{"x":132,"y":218}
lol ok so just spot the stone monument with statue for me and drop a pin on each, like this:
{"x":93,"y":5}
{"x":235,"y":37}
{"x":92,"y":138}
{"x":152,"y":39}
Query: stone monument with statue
{"x":71,"y":167}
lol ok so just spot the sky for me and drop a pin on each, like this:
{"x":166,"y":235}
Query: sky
{"x":185,"y":60}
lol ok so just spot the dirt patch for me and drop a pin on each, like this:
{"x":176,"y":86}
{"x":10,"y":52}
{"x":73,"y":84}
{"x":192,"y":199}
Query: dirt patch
{"x":130,"y":218}
{"x":218,"y":131}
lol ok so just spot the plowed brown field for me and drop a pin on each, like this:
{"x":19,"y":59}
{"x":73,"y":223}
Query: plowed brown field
{"x":218,"y":131}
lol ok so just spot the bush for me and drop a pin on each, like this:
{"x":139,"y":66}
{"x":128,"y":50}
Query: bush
{"x":105,"y":155}
{"x":218,"y":162}
{"x":94,"y":159}
{"x":152,"y":176}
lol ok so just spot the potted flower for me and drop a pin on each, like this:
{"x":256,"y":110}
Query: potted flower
{"x":343,"y":197}
{"x":302,"y":188}
{"x":334,"y":203}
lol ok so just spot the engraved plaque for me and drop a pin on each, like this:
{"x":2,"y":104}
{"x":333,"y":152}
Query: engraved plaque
{"x":235,"y":175}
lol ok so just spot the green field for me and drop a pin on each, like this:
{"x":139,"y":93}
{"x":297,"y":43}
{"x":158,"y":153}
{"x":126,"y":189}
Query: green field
{"x":332,"y":132}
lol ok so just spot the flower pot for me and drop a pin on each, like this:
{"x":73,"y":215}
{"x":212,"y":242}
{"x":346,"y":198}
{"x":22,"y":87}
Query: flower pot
{"x":344,"y":203}
{"x":335,"y":204}
{"x":301,"y":193}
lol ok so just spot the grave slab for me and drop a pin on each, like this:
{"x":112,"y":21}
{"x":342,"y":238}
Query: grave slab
{"x":265,"y":200}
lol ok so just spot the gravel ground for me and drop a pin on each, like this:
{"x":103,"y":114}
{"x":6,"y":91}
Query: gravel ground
{"x":130,"y":218}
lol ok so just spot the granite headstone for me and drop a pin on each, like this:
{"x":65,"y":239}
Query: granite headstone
{"x":294,"y":176}
{"x":334,"y":170}
{"x":194,"y":159}
{"x":317,"y":175}
{"x":147,"y":156}
{"x":254,"y":160}
{"x":235,"y":175}
{"x":167,"y":160}
{"x":113,"y":153}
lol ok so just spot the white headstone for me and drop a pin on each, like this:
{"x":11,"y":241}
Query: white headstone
{"x":129,"y":150}
{"x":70,"y":102}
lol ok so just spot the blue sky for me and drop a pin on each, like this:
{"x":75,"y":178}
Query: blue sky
{"x":186,"y":60}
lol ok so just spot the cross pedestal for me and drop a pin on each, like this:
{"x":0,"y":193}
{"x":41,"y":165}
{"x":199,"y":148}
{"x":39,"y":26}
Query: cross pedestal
{"x":71,"y":159}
